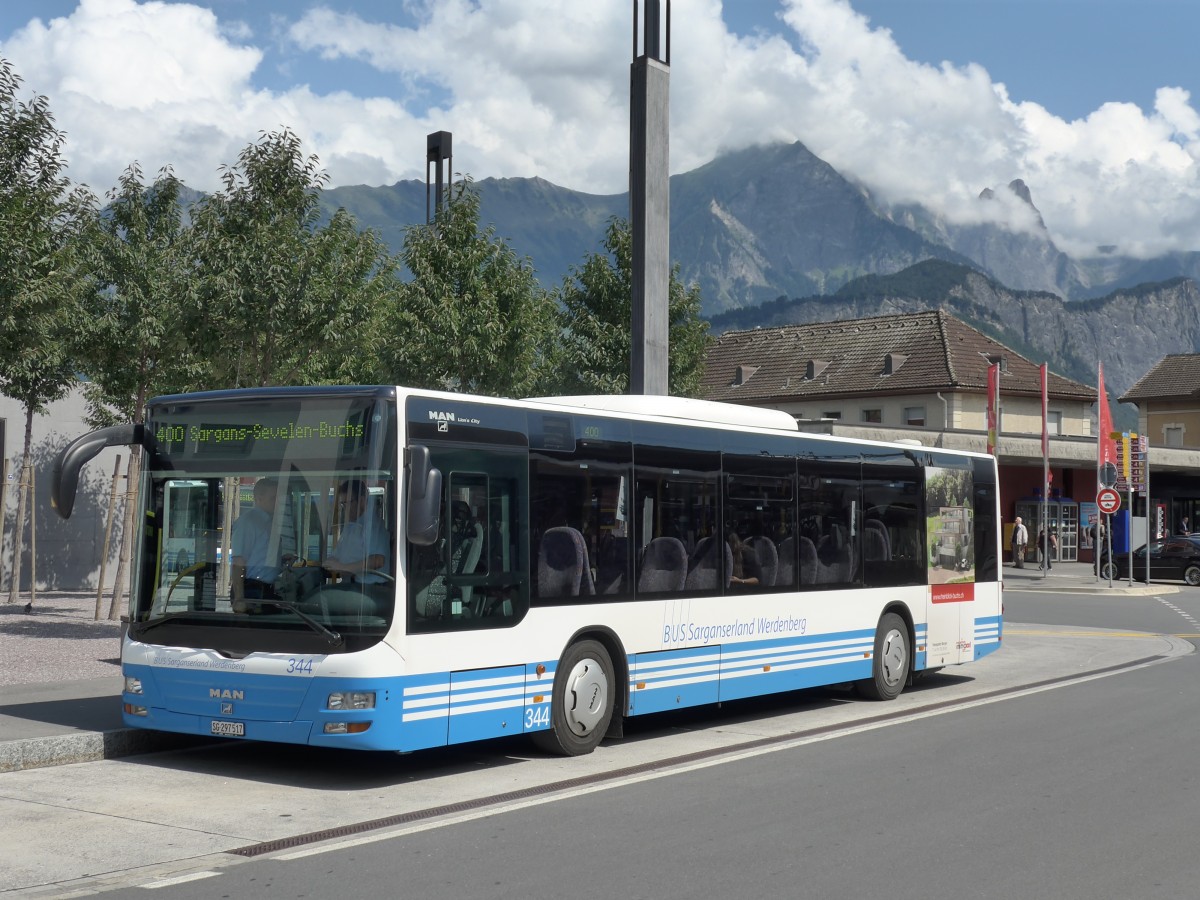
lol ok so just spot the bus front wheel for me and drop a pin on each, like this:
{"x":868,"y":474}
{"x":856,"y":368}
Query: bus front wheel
{"x":582,"y":705}
{"x":891,"y":661}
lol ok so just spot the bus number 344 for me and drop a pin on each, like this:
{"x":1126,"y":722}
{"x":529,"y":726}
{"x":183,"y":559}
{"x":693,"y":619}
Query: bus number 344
{"x":537,"y":716}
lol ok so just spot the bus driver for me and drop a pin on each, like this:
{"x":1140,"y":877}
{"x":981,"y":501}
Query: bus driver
{"x":362,"y":549}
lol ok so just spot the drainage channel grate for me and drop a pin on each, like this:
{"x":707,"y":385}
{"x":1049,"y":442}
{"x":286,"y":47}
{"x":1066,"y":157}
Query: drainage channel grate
{"x":434,"y":812}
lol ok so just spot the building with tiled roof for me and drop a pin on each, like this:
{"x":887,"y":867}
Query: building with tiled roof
{"x":923,"y":376}
{"x":1168,"y":401}
{"x":916,"y":370}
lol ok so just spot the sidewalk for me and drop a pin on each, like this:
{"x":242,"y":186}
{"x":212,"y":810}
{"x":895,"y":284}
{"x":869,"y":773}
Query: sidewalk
{"x":1077,"y":578}
{"x":60,"y":680}
{"x":60,"y":685}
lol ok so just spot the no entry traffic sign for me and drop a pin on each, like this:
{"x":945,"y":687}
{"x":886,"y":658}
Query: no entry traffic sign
{"x":1108,"y":500}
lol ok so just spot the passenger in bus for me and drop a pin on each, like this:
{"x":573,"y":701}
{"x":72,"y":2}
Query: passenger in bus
{"x":741,"y":573}
{"x":253,"y":575}
{"x":362,"y":549}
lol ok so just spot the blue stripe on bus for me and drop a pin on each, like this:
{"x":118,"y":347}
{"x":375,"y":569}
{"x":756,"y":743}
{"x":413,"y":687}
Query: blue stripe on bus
{"x":669,"y":679}
{"x":988,"y":630}
{"x":676,"y":678}
{"x":432,"y":710}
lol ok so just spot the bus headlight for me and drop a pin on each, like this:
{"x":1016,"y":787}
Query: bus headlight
{"x":133,"y":685}
{"x":351,"y":700}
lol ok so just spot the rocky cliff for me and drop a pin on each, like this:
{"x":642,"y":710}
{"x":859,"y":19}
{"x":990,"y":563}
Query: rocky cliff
{"x":1129,"y":330}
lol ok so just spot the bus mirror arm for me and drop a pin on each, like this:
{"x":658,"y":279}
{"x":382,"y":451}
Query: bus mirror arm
{"x":424,"y":497}
{"x":64,"y":476}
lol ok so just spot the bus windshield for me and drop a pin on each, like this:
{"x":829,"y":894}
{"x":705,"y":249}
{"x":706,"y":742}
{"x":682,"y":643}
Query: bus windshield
{"x":270,"y":520}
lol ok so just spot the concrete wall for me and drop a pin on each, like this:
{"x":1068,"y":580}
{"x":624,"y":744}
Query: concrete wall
{"x":1163,"y":415}
{"x":68,"y":551}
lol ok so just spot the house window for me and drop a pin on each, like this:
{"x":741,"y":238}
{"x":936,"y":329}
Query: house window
{"x":1054,"y":422}
{"x":1173,"y":436}
{"x":873,"y":416}
{"x":914,"y":415}
{"x":832,"y":415}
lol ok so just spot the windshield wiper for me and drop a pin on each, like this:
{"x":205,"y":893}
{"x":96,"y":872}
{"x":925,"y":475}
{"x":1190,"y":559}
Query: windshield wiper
{"x":140,"y":628}
{"x":333,"y":637}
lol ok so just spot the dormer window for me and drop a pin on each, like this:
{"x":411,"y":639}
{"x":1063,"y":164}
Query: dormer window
{"x":815,"y":368}
{"x":742,"y":374}
{"x":997,"y":359}
{"x":892,"y":363}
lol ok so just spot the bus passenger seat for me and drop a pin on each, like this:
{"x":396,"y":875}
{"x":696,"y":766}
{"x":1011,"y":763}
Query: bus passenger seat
{"x":765,"y":559}
{"x":809,"y":561}
{"x":563,"y":569}
{"x":664,"y":566}
{"x":786,"y":557}
{"x":876,"y":544}
{"x":702,"y":567}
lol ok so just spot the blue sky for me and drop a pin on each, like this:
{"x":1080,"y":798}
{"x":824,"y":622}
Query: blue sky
{"x":1092,"y":102}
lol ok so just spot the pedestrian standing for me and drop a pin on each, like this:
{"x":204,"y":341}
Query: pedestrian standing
{"x":1101,"y":549}
{"x":1046,"y":543}
{"x":1020,"y":538}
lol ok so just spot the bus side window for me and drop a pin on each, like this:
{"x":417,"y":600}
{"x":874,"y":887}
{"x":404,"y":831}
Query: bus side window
{"x":759,"y":512}
{"x":829,"y":504}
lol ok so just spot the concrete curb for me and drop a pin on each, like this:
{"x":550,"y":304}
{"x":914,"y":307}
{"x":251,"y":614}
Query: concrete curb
{"x":1117,"y":590}
{"x":88,"y":746}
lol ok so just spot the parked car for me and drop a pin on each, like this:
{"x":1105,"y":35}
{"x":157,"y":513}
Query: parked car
{"x":1175,"y":557}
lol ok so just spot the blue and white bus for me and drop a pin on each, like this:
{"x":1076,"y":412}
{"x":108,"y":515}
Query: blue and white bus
{"x":547,"y":566}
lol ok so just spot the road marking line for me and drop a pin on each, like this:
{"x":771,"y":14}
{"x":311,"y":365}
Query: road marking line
{"x":180,"y":879}
{"x":667,"y":770}
{"x":1182,"y":612}
{"x":1122,"y":634}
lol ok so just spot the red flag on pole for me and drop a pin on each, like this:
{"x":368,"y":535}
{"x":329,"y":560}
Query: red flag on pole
{"x":1106,"y":447}
{"x":1045,"y":416}
{"x":993,"y":406}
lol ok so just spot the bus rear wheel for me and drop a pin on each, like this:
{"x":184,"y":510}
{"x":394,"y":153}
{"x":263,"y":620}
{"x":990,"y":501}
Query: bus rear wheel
{"x":891,"y":662}
{"x":582,"y":704}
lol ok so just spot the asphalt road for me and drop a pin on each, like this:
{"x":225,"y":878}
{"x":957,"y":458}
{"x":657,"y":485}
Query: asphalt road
{"x":1081,"y":793}
{"x":1176,"y":612}
{"x":1045,"y":770}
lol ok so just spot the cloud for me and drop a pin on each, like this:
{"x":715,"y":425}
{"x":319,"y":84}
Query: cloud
{"x":541,"y":87}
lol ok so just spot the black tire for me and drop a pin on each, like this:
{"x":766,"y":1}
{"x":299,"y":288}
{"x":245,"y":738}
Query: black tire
{"x":1107,"y":572}
{"x":891,"y":662}
{"x":582,"y":705}
{"x":1192,"y":575}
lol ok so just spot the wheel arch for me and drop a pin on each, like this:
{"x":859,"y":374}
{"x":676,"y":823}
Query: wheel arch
{"x":902,"y":610}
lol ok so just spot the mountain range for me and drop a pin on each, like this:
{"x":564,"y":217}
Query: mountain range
{"x":774,"y":234}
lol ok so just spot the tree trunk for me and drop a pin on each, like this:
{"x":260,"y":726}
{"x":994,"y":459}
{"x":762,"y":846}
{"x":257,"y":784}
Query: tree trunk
{"x":14,"y":587}
{"x":131,"y":486}
{"x":108,"y":527}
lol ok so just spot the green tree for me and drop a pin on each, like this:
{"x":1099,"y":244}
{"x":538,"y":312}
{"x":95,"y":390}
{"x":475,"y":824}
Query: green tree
{"x":143,"y":261}
{"x":595,"y":318}
{"x":473,"y":317}
{"x":136,"y":348}
{"x":45,"y":225}
{"x":282,"y":299}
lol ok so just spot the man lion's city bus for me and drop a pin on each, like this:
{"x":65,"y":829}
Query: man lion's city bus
{"x":436,"y":568}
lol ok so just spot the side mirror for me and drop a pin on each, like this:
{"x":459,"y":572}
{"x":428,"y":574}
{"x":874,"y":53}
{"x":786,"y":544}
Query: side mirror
{"x":64,"y":476}
{"x":424,"y":497}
